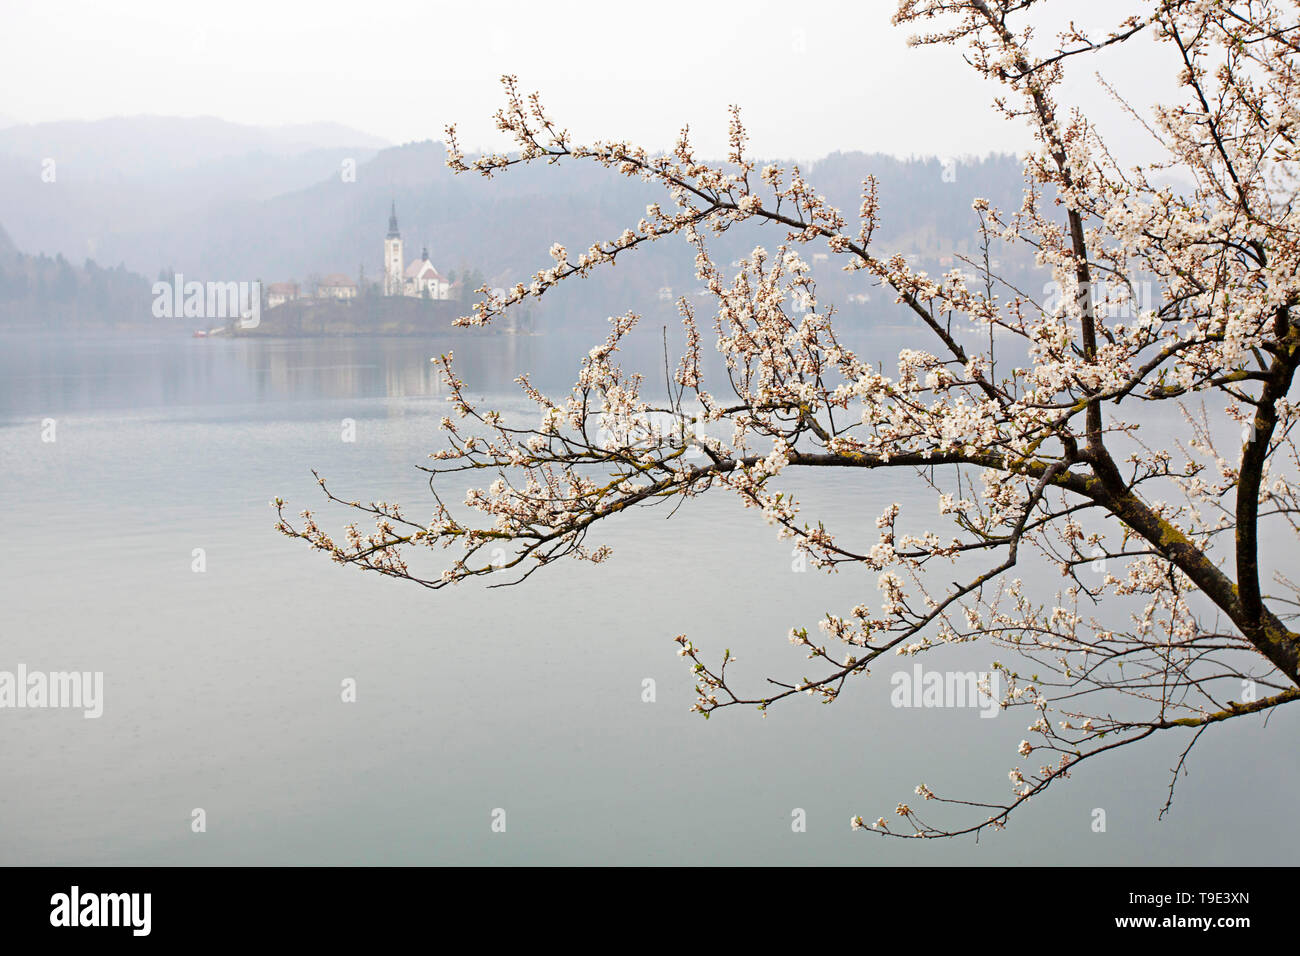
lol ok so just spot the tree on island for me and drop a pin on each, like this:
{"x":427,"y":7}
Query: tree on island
{"x":1170,"y":617}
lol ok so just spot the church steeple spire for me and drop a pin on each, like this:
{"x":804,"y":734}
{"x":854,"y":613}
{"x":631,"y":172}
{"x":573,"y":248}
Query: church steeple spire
{"x":394,"y":266}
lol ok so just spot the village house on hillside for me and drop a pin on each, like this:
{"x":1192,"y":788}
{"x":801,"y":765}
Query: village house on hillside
{"x":279,"y":292}
{"x":336,"y":286}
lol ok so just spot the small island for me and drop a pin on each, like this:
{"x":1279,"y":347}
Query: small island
{"x":410,"y":299}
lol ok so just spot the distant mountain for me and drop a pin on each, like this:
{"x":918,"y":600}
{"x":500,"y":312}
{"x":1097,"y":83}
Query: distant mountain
{"x":225,"y":202}
{"x":88,"y":188}
{"x":139,"y":147}
{"x":503,"y":227}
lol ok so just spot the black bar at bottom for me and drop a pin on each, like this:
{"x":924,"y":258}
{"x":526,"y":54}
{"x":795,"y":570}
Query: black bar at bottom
{"x":89,"y":906}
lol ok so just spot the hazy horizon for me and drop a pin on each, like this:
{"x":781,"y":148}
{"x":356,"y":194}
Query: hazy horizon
{"x":412,"y":69}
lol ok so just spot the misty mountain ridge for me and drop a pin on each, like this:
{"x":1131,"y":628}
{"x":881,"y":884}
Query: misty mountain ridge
{"x":239,"y":202}
{"x":136,"y":147}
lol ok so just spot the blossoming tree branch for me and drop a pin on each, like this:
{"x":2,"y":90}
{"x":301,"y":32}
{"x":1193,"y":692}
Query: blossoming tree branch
{"x":1041,"y":460}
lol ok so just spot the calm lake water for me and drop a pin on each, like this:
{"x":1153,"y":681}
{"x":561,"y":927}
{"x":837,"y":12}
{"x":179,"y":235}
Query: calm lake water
{"x":222,"y":688}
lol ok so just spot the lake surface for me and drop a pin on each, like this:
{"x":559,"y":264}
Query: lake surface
{"x":222,"y":688}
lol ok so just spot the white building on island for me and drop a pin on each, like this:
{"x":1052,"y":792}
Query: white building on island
{"x":419,"y":280}
{"x":278,"y":293}
{"x":424,"y":281}
{"x":336,"y":286}
{"x":393,"y":281}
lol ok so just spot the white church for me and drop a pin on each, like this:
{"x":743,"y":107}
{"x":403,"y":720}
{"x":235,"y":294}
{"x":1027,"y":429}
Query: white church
{"x":419,"y":280}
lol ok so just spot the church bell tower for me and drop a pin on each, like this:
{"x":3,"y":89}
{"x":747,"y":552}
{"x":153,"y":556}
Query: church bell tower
{"x":394,"y":267}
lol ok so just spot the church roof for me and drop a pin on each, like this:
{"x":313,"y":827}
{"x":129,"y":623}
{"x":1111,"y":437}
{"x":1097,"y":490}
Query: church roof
{"x":423,"y":269}
{"x":392,"y":223}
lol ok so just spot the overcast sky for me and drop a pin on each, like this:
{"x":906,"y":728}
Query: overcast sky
{"x":812,"y":76}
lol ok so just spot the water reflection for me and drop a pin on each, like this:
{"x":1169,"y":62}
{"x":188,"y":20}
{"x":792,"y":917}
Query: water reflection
{"x":222,"y":687}
{"x":42,"y":374}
